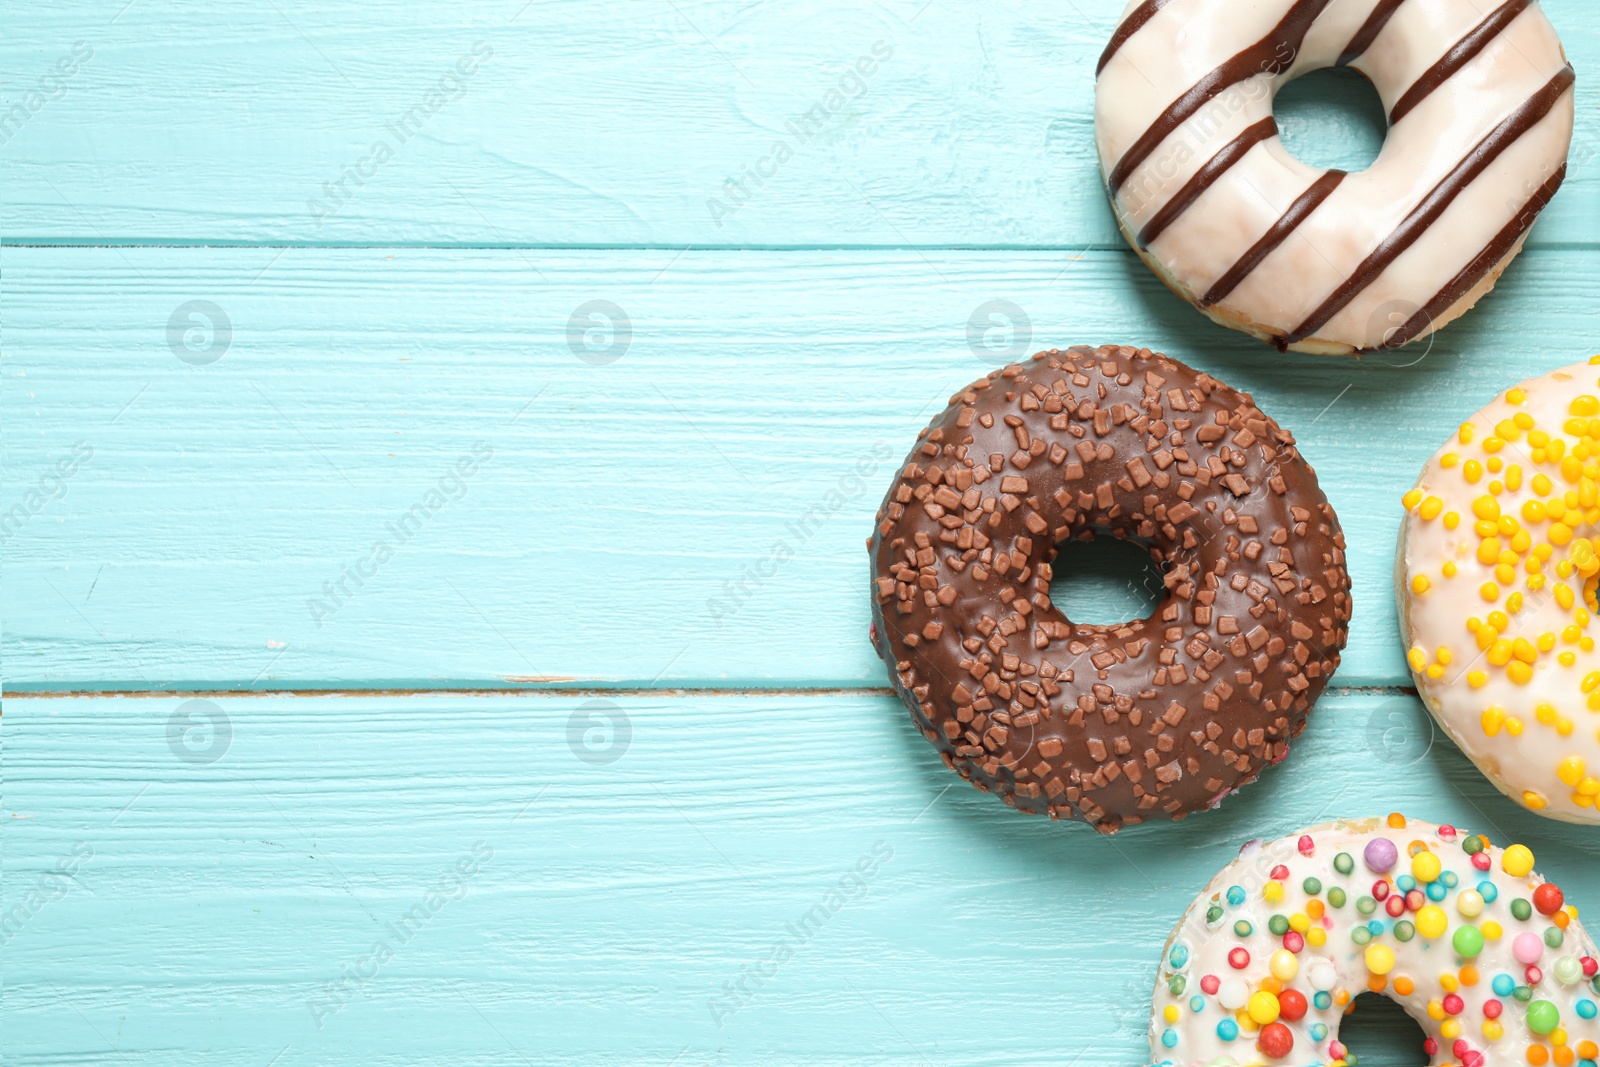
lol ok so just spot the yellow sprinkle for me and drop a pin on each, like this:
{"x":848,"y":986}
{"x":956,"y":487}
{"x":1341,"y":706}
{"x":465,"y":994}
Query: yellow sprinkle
{"x":1411,"y":499}
{"x":1534,"y":801}
{"x":1513,"y":726}
{"x":1560,"y":533}
{"x":1417,"y":658}
{"x":1517,"y":861}
{"x":1472,"y":470}
{"x":1584,"y":405}
{"x":1465,"y":433}
{"x":1443,"y":655}
{"x":1570,"y":770}
{"x":1450,"y":569}
{"x":1519,"y":672}
{"x":1492,"y":720}
{"x":1517,"y":396}
{"x":1451,"y":520}
{"x":1489,"y":591}
{"x":1430,"y":507}
{"x":1420,"y":584}
{"x":1448,"y":460}
{"x":1477,"y":679}
{"x":1493,"y":444}
{"x":1542,"y":484}
{"x":1567,"y":659}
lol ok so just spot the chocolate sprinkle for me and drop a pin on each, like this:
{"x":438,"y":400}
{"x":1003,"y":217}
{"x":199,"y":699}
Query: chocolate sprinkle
{"x":1111,"y":725}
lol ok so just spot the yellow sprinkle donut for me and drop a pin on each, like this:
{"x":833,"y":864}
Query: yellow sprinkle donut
{"x":1495,"y":578}
{"x":1481,"y":951}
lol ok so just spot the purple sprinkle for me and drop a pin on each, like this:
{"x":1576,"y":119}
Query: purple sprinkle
{"x":1381,"y":855}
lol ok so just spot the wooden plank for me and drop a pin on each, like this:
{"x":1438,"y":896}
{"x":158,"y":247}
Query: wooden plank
{"x":976,"y":130}
{"x":225,"y":877}
{"x":692,"y":514}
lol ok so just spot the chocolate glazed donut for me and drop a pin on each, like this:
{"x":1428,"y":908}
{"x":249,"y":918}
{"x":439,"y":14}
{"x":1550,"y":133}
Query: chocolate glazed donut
{"x":1113,"y":725}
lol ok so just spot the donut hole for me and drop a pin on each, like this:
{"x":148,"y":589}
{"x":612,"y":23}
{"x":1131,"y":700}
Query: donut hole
{"x":1105,"y":581}
{"x":1331,"y":118}
{"x":1379,"y":1033}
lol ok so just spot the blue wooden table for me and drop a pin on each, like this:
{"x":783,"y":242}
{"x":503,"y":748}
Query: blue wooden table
{"x":439,"y":445}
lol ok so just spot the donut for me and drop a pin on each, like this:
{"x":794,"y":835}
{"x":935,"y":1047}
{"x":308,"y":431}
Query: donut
{"x":1480,"y":108}
{"x":1110,"y":725}
{"x":1495,"y":583}
{"x":1481,"y":951}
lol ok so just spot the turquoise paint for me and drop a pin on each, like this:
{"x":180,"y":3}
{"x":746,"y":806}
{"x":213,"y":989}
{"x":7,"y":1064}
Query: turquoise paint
{"x":243,"y":424}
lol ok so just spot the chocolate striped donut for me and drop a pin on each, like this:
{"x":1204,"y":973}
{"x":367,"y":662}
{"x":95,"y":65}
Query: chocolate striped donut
{"x":1480,"y":105}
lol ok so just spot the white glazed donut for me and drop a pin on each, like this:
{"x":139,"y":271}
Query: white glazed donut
{"x":1479,"y":950}
{"x":1495,"y":580}
{"x":1481,"y":109}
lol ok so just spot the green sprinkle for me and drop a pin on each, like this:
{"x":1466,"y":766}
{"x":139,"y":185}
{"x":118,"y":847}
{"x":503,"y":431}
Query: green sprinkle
{"x":1344,"y":863}
{"x":1336,"y":897}
{"x":1214,"y":914}
{"x":1243,"y":928}
{"x":1279,"y":925}
{"x":1522,"y":909}
{"x":1366,"y":905}
{"x":1360,"y":935}
{"x":1404,"y":930}
{"x":1312,"y":886}
{"x":1554,"y":936}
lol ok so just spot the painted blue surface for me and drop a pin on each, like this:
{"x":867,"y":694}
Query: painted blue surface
{"x":698,"y":764}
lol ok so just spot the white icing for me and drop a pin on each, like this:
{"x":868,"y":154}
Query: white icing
{"x":1438,"y":617}
{"x":1199,"y":948}
{"x":1187,"y":39}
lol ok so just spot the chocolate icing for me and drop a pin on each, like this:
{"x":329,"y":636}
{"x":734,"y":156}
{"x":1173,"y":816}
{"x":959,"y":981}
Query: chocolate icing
{"x":1458,"y":56}
{"x":1368,"y":32}
{"x":1112,"y":725}
{"x":1276,"y":234}
{"x":1425,"y":214}
{"x":1273,"y":54}
{"x":1206,"y":177}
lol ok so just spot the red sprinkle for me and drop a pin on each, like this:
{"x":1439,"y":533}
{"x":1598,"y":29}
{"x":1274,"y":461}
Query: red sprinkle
{"x":1492,"y":1009}
{"x":1239,"y":959}
{"x":1548,"y":898}
{"x":1453,"y":1004}
{"x":1210,"y":984}
{"x":1307,"y":846}
{"x":1292,"y":1005}
{"x":1294,"y":942}
{"x":1380,"y":890}
{"x":1276,"y":1040}
{"x":1280,"y":873}
{"x":1480,"y":860}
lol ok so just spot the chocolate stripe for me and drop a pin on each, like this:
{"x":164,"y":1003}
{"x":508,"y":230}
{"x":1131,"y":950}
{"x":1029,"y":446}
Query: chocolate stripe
{"x":1205,"y":177}
{"x":1369,"y":31}
{"x":1438,"y":199}
{"x":1458,"y":57}
{"x":1475,"y":271}
{"x":1130,"y":26}
{"x":1266,"y":56}
{"x":1276,"y":234}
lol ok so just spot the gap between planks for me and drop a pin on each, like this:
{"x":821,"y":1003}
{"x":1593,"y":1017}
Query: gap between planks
{"x":568,"y":692}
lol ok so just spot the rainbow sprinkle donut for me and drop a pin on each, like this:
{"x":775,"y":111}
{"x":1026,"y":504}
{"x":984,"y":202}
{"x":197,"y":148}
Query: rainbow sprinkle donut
{"x":1481,"y":951}
{"x":1495,"y":581}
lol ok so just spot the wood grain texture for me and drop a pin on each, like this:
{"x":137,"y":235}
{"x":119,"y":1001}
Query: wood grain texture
{"x":204,"y":124}
{"x":226,"y":889}
{"x":692,"y":514}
